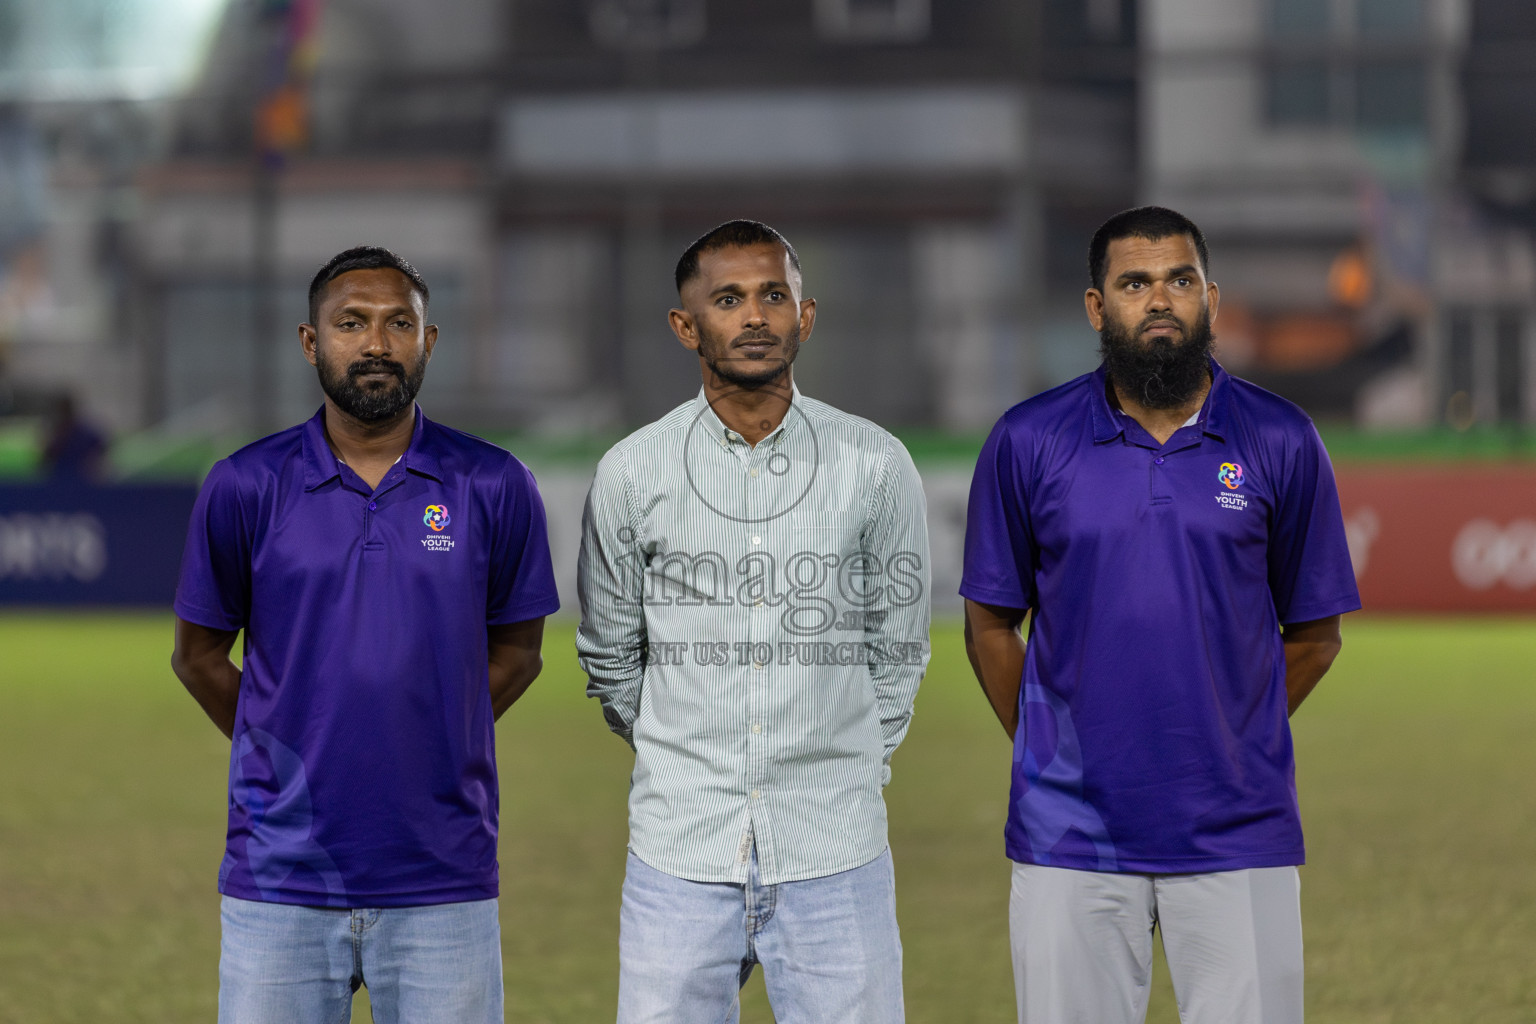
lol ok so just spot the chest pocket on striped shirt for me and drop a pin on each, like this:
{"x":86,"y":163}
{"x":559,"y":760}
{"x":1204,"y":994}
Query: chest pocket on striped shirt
{"x":826,"y":532}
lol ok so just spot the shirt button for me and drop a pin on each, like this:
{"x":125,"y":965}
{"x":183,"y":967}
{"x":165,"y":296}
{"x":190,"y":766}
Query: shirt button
{"x":757,"y":794}
{"x":1158,"y":460}
{"x":757,"y":540}
{"x":373,"y":506}
{"x":757,"y":665}
{"x":758,"y":603}
{"x":756,"y":727}
{"x":753,"y":471}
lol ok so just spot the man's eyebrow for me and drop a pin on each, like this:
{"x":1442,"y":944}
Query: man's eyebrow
{"x":364,"y":311}
{"x":736,"y":288}
{"x":1182,"y":270}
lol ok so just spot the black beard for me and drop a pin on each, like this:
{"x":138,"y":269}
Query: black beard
{"x":1164,"y":373}
{"x":748,"y":374}
{"x":371,"y":404}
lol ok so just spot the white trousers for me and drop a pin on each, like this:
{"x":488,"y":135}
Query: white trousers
{"x":1082,"y":945}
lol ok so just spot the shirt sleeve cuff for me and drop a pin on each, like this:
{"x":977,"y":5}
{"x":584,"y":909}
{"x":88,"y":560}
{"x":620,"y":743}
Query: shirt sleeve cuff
{"x":986,"y":595}
{"x":524,"y":612}
{"x":1320,"y":610}
{"x":199,"y":616}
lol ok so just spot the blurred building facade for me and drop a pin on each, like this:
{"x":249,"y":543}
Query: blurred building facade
{"x":545,"y":163}
{"x":1325,"y":147}
{"x":1361,"y":166}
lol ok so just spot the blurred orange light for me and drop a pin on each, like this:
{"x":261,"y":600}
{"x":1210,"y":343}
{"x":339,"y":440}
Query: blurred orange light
{"x":282,"y":123}
{"x":1349,"y":279}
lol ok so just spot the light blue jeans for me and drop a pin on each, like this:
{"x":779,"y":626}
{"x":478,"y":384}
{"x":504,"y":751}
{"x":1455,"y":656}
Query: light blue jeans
{"x":829,"y":947}
{"x":281,"y":964}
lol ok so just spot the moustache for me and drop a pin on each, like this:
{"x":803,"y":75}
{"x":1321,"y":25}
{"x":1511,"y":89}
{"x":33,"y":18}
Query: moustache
{"x":366,"y":366}
{"x":1161,"y":320}
{"x":750,"y":337}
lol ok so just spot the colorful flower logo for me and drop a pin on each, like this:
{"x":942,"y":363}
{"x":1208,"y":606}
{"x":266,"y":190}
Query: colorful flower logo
{"x":1231,"y":475}
{"x":436,"y":517}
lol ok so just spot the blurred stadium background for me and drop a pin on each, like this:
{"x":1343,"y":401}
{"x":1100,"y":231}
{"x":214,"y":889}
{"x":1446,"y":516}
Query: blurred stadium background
{"x":172,"y":172}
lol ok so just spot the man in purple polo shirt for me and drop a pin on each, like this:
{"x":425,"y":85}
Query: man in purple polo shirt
{"x":392,"y":577}
{"x":1174,"y":535}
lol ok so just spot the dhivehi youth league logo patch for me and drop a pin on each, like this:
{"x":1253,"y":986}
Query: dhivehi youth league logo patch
{"x":437,"y":517}
{"x":1231,"y":475}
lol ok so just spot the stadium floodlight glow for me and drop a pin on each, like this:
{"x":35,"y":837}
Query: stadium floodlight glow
{"x":81,"y":50}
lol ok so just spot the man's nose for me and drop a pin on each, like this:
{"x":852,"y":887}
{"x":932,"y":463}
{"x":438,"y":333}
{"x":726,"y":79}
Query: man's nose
{"x":755,"y":313}
{"x":376,"y":342}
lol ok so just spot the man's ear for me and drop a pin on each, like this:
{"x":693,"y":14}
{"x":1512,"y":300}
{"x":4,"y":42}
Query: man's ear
{"x":681,"y":322}
{"x":807,"y":319}
{"x":429,"y":339}
{"x":309,"y":339}
{"x":1093,"y":303}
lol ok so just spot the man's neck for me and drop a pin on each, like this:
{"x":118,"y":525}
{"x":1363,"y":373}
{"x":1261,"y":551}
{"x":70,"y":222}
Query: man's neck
{"x":369,"y":448}
{"x":753,"y":413}
{"x":1160,"y":423}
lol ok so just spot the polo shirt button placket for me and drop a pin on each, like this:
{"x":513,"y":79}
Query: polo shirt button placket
{"x":1161,"y":493}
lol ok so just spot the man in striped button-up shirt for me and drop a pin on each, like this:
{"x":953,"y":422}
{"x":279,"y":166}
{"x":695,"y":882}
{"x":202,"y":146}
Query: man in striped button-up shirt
{"x":754,"y":594}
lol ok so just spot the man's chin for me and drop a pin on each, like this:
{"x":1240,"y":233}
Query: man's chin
{"x":761,"y":375}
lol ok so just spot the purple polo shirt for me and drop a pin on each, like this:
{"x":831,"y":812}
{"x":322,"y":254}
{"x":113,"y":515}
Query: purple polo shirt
{"x":1153,"y":707}
{"x":363,"y":768}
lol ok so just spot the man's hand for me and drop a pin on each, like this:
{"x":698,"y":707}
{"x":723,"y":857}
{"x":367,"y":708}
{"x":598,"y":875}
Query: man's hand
{"x":515,"y":661}
{"x":201,"y":661}
{"x":996,"y":650}
{"x":1310,"y":648}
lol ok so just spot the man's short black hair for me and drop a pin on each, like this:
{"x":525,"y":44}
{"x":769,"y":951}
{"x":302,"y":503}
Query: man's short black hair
{"x":730,"y":234}
{"x":1149,"y":222}
{"x":363,"y":257}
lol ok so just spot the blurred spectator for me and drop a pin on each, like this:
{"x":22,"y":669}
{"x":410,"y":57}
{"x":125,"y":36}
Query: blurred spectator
{"x":75,"y":450}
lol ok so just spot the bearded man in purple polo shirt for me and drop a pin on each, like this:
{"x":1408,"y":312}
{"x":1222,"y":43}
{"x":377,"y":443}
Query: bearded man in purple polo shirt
{"x":391,"y":577}
{"x":1174,"y":535}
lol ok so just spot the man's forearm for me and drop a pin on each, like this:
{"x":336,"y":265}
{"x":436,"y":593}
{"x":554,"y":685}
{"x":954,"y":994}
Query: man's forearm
{"x":896,"y":692}
{"x":999,"y":667}
{"x":614,"y":661}
{"x":1310,"y":648}
{"x":1305,"y":666}
{"x":514,"y":660}
{"x":216,"y":688}
{"x":996,"y":652}
{"x":510,"y":682}
{"x":201,"y":661}
{"x":620,"y":702}
{"x":614,"y":681}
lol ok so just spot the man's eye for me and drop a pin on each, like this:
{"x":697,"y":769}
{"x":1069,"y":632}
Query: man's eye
{"x":727,"y":300}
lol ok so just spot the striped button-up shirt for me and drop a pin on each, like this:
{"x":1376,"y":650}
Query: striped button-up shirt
{"x":754,"y":621}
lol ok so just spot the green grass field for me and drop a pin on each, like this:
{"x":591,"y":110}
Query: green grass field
{"x":1417,"y":774}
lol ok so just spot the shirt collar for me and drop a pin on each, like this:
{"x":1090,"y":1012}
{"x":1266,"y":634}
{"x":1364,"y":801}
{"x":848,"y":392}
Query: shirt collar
{"x":716,"y":428}
{"x":1212,"y":417}
{"x":322,"y":466}
{"x":1218,"y":404}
